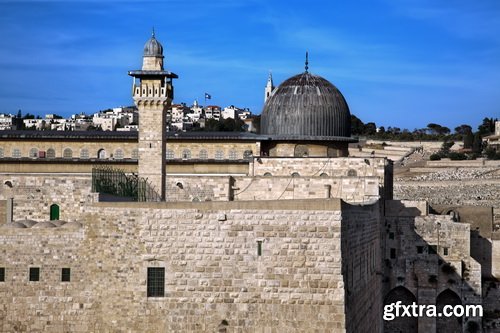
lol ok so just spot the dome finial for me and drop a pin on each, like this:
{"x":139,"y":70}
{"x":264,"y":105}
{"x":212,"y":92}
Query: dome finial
{"x":307,"y":61}
{"x":153,"y":32}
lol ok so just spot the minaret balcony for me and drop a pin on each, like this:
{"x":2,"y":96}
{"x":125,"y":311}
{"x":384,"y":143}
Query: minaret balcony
{"x":140,"y":91}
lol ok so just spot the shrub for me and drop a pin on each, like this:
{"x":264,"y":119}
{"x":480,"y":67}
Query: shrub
{"x":435,"y":157}
{"x":454,"y":156}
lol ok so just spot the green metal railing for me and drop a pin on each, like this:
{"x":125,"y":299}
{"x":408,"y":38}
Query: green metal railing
{"x":116,"y":182}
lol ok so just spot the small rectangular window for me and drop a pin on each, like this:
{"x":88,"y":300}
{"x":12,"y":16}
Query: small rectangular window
{"x":393,"y":253}
{"x":156,"y":282}
{"x":391,"y":235}
{"x":432,"y":249}
{"x":34,"y":273}
{"x":445,"y":251}
{"x":66,"y":275}
{"x":420,"y":249}
{"x":2,"y":274}
{"x":259,"y":248}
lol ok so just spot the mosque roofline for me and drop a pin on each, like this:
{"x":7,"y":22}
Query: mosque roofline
{"x":133,"y":136}
{"x":153,"y":73}
{"x":203,"y":135}
{"x":291,"y":137}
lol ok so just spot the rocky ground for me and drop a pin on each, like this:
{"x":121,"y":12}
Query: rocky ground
{"x":455,"y":174}
{"x":479,"y":186}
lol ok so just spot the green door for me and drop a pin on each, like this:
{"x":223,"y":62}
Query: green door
{"x":54,"y":212}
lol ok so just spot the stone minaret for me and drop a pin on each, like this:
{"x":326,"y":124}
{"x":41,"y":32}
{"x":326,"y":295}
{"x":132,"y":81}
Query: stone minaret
{"x":153,"y":93}
{"x":269,"y":87}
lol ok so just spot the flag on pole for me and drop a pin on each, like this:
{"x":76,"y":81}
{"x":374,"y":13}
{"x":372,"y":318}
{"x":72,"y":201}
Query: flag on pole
{"x":207,"y":96}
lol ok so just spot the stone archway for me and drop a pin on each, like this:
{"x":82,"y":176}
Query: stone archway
{"x":448,"y":324}
{"x":401,"y":324}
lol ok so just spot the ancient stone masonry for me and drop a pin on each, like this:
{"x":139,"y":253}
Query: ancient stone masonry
{"x":429,"y":256}
{"x":213,"y":270}
{"x":35,"y":194}
{"x":351,"y":179}
{"x":361,"y":267}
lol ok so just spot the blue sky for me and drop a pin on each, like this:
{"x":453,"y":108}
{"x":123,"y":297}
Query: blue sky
{"x":402,"y":63}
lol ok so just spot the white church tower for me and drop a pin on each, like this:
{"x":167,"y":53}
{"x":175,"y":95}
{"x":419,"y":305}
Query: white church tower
{"x":268,"y":91}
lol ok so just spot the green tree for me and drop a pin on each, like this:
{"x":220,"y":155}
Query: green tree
{"x":487,"y":127}
{"x":463,"y":129}
{"x":477,"y":144}
{"x":212,"y":125}
{"x":438,"y":129}
{"x":357,"y":126}
{"x":370,"y":129}
{"x":256,"y":123}
{"x":468,"y":139}
{"x":445,"y":148}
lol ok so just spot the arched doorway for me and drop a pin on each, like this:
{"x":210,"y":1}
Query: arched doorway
{"x":401,"y":324}
{"x":448,"y":324}
{"x":54,"y":212}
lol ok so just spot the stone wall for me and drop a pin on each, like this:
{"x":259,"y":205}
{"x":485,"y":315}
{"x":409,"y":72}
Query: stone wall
{"x":62,"y":166}
{"x":315,"y":167}
{"x":225,"y":188}
{"x":214,"y":273}
{"x":36,"y":193}
{"x":429,"y":255}
{"x":351,"y":179}
{"x":223,"y":149}
{"x":92,"y":147}
{"x":361,"y":266}
{"x":406,"y":208}
{"x":229,"y":150}
{"x":3,"y":212}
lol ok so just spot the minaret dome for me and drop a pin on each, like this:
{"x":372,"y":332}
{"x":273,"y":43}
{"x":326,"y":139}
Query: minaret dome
{"x":153,"y":48}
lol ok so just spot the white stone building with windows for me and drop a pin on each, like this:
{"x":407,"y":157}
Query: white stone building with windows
{"x":7,"y":122}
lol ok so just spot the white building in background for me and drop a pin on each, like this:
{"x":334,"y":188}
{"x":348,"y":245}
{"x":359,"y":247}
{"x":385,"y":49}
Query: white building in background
{"x":176,"y":116}
{"x":235,"y":112}
{"x":7,"y":122}
{"x":80,"y":122}
{"x":129,"y":128}
{"x":112,"y":119}
{"x":196,"y":112}
{"x":213,"y":112}
{"x":105,"y":120}
{"x":48,"y":123}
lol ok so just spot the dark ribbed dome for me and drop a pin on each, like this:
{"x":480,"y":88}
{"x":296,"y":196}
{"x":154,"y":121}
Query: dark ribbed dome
{"x":153,"y":48}
{"x":306,"y":105}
